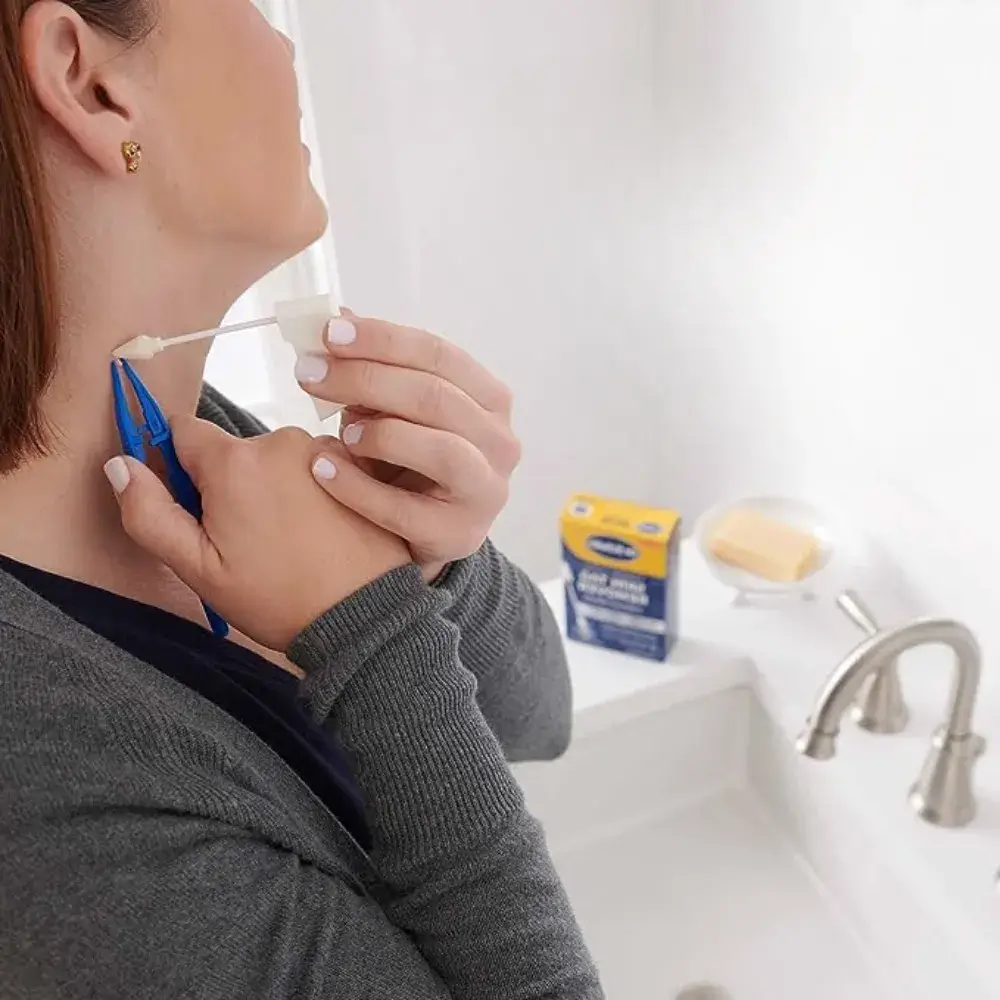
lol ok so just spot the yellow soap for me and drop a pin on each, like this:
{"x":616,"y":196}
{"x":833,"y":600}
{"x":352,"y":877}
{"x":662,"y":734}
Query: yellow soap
{"x":764,"y":547}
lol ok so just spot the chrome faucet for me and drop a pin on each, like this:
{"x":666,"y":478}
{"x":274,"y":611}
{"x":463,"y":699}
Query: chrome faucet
{"x":943,"y":793}
{"x":880,"y":707}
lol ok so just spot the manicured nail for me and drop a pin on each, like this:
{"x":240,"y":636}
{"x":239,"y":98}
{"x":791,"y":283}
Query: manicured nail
{"x":351,"y":434}
{"x":118,"y":474}
{"x":311,"y":368}
{"x":324,"y":470}
{"x":340,"y":333}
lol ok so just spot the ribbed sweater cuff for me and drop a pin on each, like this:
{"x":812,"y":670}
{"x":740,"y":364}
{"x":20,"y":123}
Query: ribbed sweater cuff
{"x":350,"y":634}
{"x":384,"y":667}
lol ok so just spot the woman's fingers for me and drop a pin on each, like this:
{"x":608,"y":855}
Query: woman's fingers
{"x":438,"y":530}
{"x":153,"y":520}
{"x":352,"y":414}
{"x":416,"y":396}
{"x":424,"y":523}
{"x":444,"y":458}
{"x":352,"y":337}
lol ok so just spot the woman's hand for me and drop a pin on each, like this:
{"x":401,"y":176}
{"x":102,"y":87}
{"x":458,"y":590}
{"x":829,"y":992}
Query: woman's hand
{"x":272,"y":553}
{"x":428,"y":430}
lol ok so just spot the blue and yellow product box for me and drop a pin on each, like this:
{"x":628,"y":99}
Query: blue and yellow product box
{"x":620,"y":568}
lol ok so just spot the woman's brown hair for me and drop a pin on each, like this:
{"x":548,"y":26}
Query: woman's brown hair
{"x":29,"y":317}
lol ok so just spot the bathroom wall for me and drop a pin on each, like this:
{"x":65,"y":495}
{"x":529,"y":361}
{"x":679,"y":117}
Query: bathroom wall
{"x":716,"y":247}
{"x":831,"y":304}
{"x":491,"y":171}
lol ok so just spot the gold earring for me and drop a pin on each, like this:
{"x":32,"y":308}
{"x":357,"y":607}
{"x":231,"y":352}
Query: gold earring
{"x":132,"y":153}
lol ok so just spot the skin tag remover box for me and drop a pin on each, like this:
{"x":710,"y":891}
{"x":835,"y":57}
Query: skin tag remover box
{"x":620,"y":570}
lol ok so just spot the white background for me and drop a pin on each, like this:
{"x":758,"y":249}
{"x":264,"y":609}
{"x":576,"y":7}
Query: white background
{"x":714,"y":246}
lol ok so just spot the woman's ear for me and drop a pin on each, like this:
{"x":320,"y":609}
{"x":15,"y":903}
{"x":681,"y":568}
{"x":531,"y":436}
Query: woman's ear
{"x":79,"y":83}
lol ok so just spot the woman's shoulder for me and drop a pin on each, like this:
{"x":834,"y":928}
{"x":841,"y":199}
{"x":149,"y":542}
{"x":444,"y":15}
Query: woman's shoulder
{"x":87,"y":707}
{"x":59,"y":678}
{"x":135,"y":823}
{"x":75,"y":701}
{"x":223,"y":412}
{"x":81,"y":716}
{"x":92,"y":732}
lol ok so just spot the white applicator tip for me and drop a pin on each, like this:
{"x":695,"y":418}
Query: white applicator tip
{"x":139,"y":349}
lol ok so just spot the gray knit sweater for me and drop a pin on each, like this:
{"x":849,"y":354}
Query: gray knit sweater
{"x":153,"y":847}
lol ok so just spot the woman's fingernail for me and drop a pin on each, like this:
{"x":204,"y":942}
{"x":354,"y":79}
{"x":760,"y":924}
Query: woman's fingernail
{"x":324,"y":470}
{"x":340,"y":333}
{"x":311,"y":368}
{"x":118,"y":474}
{"x":352,"y":433}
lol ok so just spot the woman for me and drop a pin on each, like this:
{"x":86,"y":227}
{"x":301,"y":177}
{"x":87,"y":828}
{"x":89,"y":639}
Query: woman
{"x":185,"y":816}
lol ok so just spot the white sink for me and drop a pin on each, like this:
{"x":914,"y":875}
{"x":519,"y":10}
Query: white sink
{"x":678,"y":872}
{"x":699,"y":847}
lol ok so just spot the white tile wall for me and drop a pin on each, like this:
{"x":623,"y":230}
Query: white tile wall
{"x":832,"y":180}
{"x":715,"y":246}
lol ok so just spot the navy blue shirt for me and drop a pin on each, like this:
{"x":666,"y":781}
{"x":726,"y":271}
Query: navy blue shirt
{"x":265,"y":698}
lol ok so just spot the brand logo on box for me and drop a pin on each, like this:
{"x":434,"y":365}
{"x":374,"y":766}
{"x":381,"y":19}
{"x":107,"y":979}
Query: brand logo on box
{"x":612,"y":548}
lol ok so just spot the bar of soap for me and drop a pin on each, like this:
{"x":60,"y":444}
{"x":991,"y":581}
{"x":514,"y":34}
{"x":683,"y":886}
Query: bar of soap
{"x":764,"y":547}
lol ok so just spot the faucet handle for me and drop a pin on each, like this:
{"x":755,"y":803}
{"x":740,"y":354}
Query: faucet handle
{"x":880,"y":707}
{"x":857,"y":611}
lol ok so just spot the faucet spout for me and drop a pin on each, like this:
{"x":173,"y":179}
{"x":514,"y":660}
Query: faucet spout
{"x":943,"y":793}
{"x":876,"y":652}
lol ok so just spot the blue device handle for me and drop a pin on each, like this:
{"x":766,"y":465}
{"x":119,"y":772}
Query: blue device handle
{"x":220,"y":626}
{"x":181,"y":485}
{"x":187,"y":496}
{"x":156,"y":426}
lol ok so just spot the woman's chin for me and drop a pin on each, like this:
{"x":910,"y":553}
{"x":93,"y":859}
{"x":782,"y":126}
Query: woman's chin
{"x":310,"y":225}
{"x":320,"y":214}
{"x":315,"y":218}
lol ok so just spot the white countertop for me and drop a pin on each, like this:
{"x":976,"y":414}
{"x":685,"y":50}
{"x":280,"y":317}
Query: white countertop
{"x":606,"y":685}
{"x":786,"y":650}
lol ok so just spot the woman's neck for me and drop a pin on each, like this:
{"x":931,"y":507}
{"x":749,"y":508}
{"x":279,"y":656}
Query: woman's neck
{"x":120,"y":274}
{"x":59,"y":511}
